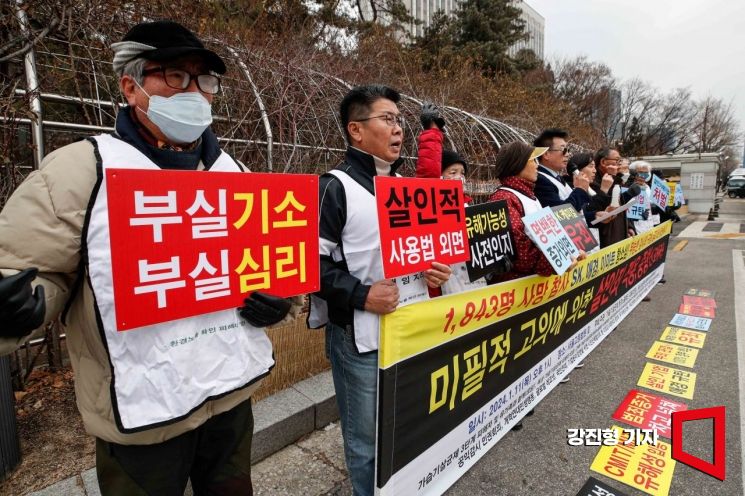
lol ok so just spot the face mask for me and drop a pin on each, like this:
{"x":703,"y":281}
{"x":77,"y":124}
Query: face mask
{"x":645,"y":175}
{"x":182,"y":117}
{"x":457,"y":178}
{"x":625,"y":177}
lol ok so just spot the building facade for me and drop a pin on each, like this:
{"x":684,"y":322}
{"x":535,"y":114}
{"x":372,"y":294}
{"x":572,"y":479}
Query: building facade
{"x":535,"y":26}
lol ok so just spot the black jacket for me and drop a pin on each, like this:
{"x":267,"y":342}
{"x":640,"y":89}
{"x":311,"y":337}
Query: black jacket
{"x":342,"y":291}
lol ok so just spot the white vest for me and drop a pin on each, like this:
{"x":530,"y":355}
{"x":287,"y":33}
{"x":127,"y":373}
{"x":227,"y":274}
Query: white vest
{"x":530,"y":206}
{"x":564,"y":189}
{"x":153,"y":382}
{"x":360,"y":240}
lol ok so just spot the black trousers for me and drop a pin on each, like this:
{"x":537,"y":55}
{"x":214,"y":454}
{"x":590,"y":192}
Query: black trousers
{"x":216,"y":456}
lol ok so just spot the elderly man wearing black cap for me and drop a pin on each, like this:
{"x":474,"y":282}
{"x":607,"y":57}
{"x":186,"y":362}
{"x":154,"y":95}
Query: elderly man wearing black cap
{"x":160,"y":417}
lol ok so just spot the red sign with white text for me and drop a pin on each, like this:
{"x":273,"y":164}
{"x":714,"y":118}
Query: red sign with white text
{"x":647,"y":411}
{"x":421,"y":221}
{"x":186,"y":243}
{"x":699,"y":301}
{"x":697,"y":310}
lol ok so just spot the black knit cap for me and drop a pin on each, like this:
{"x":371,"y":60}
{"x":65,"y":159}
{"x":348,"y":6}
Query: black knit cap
{"x":172,"y":40}
{"x":450,"y":157}
{"x":578,"y":162}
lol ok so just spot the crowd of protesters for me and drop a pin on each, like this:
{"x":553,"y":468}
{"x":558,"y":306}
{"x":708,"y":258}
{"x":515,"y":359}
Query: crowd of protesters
{"x":52,"y":256}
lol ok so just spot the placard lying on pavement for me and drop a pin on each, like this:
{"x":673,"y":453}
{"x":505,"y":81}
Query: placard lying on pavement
{"x":630,"y":464}
{"x":594,"y":487}
{"x":697,"y":323}
{"x":705,"y":293}
{"x":673,"y":353}
{"x":683,"y":336}
{"x":700,"y":301}
{"x":668,"y":380}
{"x":647,"y":411}
{"x":697,"y":311}
{"x":457,"y":372}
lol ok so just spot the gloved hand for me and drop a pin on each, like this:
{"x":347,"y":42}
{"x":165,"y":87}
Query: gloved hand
{"x":21,"y":309}
{"x":430,"y":113}
{"x":645,"y":215}
{"x":262,"y":310}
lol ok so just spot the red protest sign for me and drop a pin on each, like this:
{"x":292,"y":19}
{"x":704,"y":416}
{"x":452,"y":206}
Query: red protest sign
{"x":699,"y":301}
{"x":186,"y":243}
{"x":697,"y":310}
{"x":421,"y":221}
{"x":647,"y":411}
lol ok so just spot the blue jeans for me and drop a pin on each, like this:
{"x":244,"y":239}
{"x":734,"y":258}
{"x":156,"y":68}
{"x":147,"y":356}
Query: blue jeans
{"x":356,"y":384}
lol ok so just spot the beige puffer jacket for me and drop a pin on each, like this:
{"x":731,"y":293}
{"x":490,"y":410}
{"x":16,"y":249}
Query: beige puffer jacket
{"x":41,"y":226}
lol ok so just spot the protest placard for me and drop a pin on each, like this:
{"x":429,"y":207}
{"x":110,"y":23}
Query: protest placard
{"x":660,"y":192}
{"x":420,"y":221}
{"x":185,"y":243}
{"x":545,"y":230}
{"x":574,"y":224}
{"x":489,"y":239}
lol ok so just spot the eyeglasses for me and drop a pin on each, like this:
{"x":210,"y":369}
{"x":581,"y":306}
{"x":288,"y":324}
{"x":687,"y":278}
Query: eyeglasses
{"x":563,"y":151}
{"x":389,"y":119}
{"x":180,"y":79}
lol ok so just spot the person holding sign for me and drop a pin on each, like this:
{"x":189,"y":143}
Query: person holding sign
{"x":197,"y":423}
{"x":516,"y":168}
{"x":550,"y":188}
{"x":354,"y":292}
{"x":598,"y":190}
{"x":607,"y":161}
{"x":435,"y":162}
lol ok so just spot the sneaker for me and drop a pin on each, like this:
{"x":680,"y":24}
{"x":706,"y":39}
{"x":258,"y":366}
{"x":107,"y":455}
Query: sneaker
{"x":517,"y":427}
{"x":530,"y":413}
{"x":646,"y":298}
{"x":579,"y":365}
{"x":662,"y":281}
{"x":564,"y":380}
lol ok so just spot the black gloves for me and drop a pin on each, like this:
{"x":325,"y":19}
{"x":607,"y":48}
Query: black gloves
{"x":262,"y":310}
{"x":430,"y":113}
{"x":21,"y":310}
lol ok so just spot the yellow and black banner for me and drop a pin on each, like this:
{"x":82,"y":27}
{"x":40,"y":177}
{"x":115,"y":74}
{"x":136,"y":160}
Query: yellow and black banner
{"x":457,"y":372}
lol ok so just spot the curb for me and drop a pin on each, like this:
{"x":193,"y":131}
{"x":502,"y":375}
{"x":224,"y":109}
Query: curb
{"x":279,"y":420}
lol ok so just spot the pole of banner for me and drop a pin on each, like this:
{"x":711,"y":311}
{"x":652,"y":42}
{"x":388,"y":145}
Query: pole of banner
{"x":32,"y":87}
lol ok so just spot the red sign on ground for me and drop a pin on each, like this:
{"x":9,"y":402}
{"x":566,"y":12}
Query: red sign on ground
{"x":186,"y":243}
{"x":647,"y":411}
{"x":700,"y":301}
{"x":697,"y":311}
{"x":421,"y":221}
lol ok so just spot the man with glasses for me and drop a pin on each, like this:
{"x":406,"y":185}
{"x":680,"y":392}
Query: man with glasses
{"x":53,"y":230}
{"x":551,"y":189}
{"x":354,"y":292}
{"x":608,"y":160}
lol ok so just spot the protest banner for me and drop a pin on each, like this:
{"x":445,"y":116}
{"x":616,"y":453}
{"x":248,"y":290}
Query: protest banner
{"x":574,"y":224}
{"x":421,"y":221}
{"x":489,"y":239}
{"x":185,"y":243}
{"x":457,"y":372}
{"x":629,"y":463}
{"x":660,"y":192}
{"x":647,"y":411}
{"x":545,"y":230}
